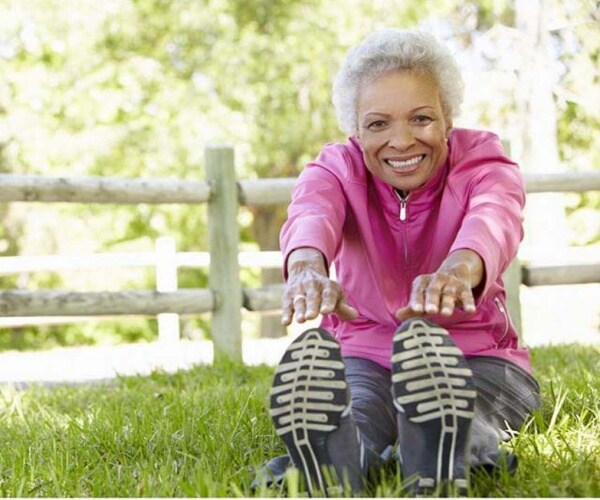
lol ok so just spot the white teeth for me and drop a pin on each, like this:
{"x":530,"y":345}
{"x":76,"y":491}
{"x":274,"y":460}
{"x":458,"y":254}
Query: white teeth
{"x":406,"y":163}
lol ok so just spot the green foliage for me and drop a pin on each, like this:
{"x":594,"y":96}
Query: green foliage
{"x":79,"y":334}
{"x":579,"y":118}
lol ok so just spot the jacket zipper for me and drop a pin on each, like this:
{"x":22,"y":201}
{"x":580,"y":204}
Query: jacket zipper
{"x":403,"y":201}
{"x":402,"y":210}
{"x":504,"y":312}
{"x":402,"y":217}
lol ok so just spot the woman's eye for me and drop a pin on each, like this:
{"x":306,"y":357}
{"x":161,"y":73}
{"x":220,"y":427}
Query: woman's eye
{"x":376,"y":124}
{"x":422,"y":119}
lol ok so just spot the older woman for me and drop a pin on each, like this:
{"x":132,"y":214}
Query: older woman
{"x":420,"y":220}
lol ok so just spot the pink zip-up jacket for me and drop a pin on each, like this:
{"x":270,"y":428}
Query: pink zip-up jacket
{"x":380,"y":244}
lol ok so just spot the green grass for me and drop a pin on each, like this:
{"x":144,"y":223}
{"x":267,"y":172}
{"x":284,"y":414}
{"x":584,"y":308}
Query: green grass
{"x":201,"y":433}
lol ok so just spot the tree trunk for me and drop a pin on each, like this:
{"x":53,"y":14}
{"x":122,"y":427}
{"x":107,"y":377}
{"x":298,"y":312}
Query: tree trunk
{"x":537,"y":147}
{"x":267,"y":223}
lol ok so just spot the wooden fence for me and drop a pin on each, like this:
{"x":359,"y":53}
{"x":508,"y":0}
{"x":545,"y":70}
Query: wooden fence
{"x":165,"y":260}
{"x":225,"y":297}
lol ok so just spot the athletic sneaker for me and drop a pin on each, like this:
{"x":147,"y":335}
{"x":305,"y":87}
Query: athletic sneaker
{"x":434,"y":393}
{"x":310,"y":407}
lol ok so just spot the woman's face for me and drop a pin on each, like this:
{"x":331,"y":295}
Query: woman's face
{"x":402,"y":129}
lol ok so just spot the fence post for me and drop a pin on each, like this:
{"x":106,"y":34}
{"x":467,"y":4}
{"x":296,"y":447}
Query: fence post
{"x":513,"y":277}
{"x":512,"y":283}
{"x":223,"y":244}
{"x":166,"y":281}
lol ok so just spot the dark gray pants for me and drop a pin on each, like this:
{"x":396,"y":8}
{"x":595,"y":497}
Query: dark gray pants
{"x":506,"y":395}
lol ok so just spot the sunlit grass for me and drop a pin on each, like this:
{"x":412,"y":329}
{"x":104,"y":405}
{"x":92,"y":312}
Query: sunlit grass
{"x":201,"y":433}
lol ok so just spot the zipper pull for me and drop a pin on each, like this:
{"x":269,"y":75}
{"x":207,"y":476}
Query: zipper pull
{"x":402,"y":200}
{"x":402,"y":210}
{"x":500,"y":305}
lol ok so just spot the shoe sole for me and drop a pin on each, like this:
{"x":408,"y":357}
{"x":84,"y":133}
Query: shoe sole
{"x":433,"y":385}
{"x":308,"y":398}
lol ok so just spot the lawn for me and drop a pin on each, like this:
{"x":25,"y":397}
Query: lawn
{"x":201,"y":433}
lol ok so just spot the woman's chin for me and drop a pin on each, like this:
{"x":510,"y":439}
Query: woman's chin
{"x":406,"y":182}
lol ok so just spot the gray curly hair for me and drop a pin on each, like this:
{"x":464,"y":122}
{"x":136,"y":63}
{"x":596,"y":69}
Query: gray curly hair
{"x":392,"y":49}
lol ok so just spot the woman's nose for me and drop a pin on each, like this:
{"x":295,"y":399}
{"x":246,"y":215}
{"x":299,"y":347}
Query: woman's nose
{"x":401,"y":137}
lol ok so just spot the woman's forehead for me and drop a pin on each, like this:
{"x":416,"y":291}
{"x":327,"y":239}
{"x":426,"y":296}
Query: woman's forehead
{"x":407,"y":89}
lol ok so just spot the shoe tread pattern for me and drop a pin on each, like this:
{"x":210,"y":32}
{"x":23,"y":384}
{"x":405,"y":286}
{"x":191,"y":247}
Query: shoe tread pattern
{"x":431,"y":379}
{"x":433,"y":385}
{"x":308,"y":398}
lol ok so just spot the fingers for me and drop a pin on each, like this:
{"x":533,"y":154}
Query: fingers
{"x":301,"y":299}
{"x":456,"y":294}
{"x":468,"y":301}
{"x":407,"y":312}
{"x":312,"y":302}
{"x":448,"y":300}
{"x":437,"y":293}
{"x":417,"y":295}
{"x":305,"y":301}
{"x":329,"y":299}
{"x":296,"y":308}
{"x":287,"y":309}
{"x":346,"y":312}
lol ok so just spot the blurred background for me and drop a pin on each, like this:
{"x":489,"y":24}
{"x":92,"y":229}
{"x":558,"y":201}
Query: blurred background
{"x":138,"y":88}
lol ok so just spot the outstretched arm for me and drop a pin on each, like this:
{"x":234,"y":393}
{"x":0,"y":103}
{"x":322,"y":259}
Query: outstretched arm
{"x":309,"y":291}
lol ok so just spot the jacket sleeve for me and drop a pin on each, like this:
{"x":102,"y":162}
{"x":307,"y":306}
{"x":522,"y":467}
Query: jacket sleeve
{"x":317,"y":211}
{"x":494,"y":198}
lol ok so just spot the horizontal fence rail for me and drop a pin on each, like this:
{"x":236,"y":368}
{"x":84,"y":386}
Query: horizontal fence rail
{"x":223,"y":194}
{"x":266,"y":191}
{"x":571,"y":182}
{"x":135,"y":302}
{"x":572,"y":274}
{"x":250,"y":192}
{"x":33,"y":188}
{"x":70,"y":262}
{"x":263,"y":299}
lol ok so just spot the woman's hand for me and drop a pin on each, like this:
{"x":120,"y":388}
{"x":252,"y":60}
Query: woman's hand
{"x":449,"y":287}
{"x":309,"y":291}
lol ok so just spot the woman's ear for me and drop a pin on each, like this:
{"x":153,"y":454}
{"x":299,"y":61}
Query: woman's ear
{"x":358,"y":139}
{"x":448,"y":128}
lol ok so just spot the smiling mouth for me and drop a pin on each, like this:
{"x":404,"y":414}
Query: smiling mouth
{"x":397,"y":164}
